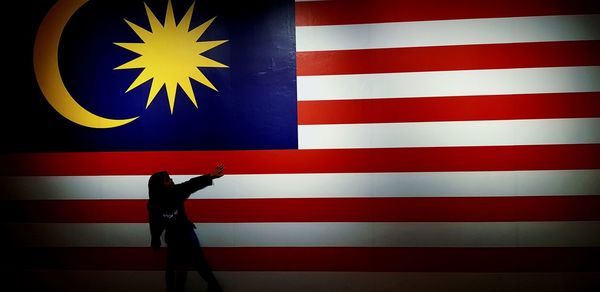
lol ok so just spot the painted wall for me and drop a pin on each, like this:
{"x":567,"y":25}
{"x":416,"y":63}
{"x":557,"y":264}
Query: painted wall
{"x":368,"y":145}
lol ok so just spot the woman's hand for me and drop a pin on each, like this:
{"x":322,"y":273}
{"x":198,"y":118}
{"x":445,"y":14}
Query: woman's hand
{"x":218,"y":171}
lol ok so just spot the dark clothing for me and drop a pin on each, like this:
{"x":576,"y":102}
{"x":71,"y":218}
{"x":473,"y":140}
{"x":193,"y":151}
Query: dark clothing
{"x":167,"y":213}
{"x":166,"y":206}
{"x":184,"y":253}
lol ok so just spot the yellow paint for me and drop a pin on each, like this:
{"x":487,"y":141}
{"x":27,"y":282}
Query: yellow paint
{"x":170,"y":55}
{"x":45,"y":61}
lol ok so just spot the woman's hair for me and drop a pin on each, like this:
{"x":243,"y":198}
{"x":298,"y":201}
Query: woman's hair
{"x":156,"y":183}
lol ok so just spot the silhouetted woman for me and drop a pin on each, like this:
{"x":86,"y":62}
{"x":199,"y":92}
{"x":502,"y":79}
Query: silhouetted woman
{"x":166,"y":212}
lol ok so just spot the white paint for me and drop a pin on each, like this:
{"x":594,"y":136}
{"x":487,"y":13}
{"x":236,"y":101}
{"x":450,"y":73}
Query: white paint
{"x":317,"y":185}
{"x":448,"y":32}
{"x":361,"y":234}
{"x":450,"y":83}
{"x":463,"y":133}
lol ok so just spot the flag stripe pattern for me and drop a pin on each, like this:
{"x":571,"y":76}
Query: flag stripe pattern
{"x":453,"y":108}
{"x":366,"y":160}
{"x":314,"y":234}
{"x":493,"y":209}
{"x":348,"y":259}
{"x":385,"y":11}
{"x":444,"y":58}
{"x":321,"y":185}
{"x":325,"y":281}
{"x":448,"y":140}
{"x":447,"y":32}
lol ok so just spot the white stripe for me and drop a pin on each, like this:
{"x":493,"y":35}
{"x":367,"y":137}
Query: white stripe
{"x":436,"y":134}
{"x":267,"y":281}
{"x":408,"y":184}
{"x":450,"y":83}
{"x":448,"y":32}
{"x":364,"y":234}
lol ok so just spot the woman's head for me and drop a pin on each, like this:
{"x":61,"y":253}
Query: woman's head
{"x":158,"y":182}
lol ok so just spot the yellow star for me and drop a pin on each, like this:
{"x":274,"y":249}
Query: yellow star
{"x":170,"y":55}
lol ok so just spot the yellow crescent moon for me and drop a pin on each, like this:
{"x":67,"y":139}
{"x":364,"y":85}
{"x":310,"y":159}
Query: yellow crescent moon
{"x":45,"y":62}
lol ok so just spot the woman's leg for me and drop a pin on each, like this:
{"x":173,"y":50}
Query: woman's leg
{"x":205,"y":272}
{"x":180,"y":280}
{"x":202,"y":266}
{"x":176,"y":271}
{"x":170,"y":271}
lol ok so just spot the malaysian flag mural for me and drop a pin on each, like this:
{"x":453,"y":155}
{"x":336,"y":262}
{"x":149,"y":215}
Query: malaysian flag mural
{"x":368,"y":145}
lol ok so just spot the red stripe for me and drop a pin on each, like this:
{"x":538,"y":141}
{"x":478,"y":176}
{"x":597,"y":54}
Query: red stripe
{"x":361,"y":11}
{"x":454,"y":108}
{"x":359,"y":259}
{"x":466,"y":57}
{"x":400,"y":209}
{"x":493,"y":158}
